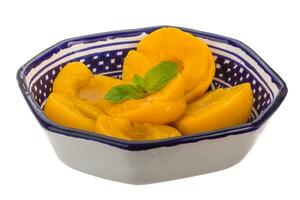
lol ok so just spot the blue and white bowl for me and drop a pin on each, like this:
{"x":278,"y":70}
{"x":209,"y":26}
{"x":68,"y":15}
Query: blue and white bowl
{"x":142,"y":162}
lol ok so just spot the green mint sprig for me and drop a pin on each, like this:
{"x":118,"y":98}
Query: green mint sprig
{"x":154,"y":80}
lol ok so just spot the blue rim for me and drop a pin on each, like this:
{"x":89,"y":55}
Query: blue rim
{"x":144,"y":145}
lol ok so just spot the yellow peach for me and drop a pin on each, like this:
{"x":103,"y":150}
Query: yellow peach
{"x":114,"y":127}
{"x":71,"y":112}
{"x":217,"y":109}
{"x":71,"y":78}
{"x":145,"y":131}
{"x":191,"y":54}
{"x":123,"y":129}
{"x":96,"y":88}
{"x":135,"y":63}
{"x":162,"y":107}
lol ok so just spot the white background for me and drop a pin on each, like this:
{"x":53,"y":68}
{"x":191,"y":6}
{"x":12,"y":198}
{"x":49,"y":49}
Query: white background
{"x":29,"y":169}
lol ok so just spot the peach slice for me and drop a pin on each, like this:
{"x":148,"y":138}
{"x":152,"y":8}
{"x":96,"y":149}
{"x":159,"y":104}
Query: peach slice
{"x":76,"y":80}
{"x":71,"y":112}
{"x":114,"y":127}
{"x":217,"y":109}
{"x":145,"y":131}
{"x":135,"y":63}
{"x":96,"y":88}
{"x":71,"y":78}
{"x":162,"y":107}
{"x":191,"y":54}
{"x":123,"y":129}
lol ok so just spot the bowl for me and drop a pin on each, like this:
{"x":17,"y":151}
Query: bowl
{"x":143,"y":162}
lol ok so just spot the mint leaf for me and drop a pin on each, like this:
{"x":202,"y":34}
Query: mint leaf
{"x":154,"y":80}
{"x":121,"y":93}
{"x":139,"y":83}
{"x":157,"y":77}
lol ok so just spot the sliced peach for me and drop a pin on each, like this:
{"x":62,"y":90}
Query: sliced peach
{"x":202,"y":87}
{"x":192,"y":55}
{"x":217,"y":109}
{"x":71,"y":112}
{"x":76,"y":80}
{"x":114,"y":127}
{"x":163,"y":107}
{"x":97,"y":87}
{"x":135,"y":63}
{"x":71,"y":78}
{"x":145,"y":131}
{"x":123,"y":129}
{"x":87,"y":109}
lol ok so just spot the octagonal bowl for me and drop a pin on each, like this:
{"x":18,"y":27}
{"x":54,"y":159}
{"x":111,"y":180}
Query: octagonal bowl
{"x":142,"y":162}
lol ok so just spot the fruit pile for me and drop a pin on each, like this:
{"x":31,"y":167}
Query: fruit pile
{"x":161,"y":94}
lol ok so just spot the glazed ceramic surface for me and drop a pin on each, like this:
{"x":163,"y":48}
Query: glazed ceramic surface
{"x":141,"y":162}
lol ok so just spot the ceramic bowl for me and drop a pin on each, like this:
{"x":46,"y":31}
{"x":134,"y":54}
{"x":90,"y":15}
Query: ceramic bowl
{"x":142,"y":162}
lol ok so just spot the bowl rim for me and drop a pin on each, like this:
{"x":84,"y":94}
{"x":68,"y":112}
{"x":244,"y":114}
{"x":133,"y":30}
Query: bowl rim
{"x":150,"y":144}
